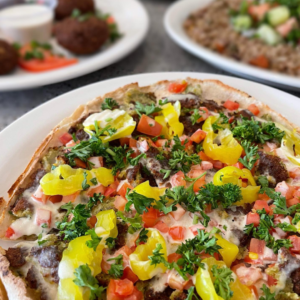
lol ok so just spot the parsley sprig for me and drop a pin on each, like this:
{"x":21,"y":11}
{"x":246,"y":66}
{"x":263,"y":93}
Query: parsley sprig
{"x":109,"y":103}
{"x":116,"y":269}
{"x":84,"y":278}
{"x":267,"y":294}
{"x":251,"y":156}
{"x":136,"y":223}
{"x":146,"y":109}
{"x":95,"y":239}
{"x":223,"y":278}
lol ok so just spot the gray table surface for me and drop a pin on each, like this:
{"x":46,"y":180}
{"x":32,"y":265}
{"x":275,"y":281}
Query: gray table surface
{"x":158,"y":53}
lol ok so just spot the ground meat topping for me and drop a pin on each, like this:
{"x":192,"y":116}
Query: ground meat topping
{"x":48,"y":257}
{"x":241,"y":236}
{"x":295,"y":276}
{"x":22,"y":206}
{"x":271,"y":165}
{"x":31,"y":278}
{"x":239,"y":210}
{"x":16,"y":257}
{"x":189,"y":127}
{"x":189,"y":103}
{"x":212,"y":105}
{"x":132,"y":173}
{"x":150,"y":294}
{"x":121,"y":238}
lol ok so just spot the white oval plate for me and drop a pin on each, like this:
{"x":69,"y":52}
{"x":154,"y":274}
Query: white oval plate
{"x":133,"y":23}
{"x":20,"y":139}
{"x":173,"y":21}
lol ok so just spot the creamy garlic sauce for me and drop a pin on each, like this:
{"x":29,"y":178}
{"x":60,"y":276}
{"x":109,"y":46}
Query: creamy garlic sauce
{"x":181,"y":97}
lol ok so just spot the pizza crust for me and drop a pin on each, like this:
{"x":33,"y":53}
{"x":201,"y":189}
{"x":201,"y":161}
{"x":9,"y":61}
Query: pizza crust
{"x":211,"y":90}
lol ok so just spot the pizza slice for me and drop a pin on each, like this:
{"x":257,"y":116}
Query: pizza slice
{"x":179,"y":190}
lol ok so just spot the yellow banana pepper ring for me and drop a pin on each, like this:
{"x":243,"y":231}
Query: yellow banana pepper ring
{"x":65,"y":180}
{"x":77,"y":254}
{"x":161,"y":120}
{"x":229,"y":250}
{"x":106,"y":225}
{"x":235,"y":175}
{"x":139,"y":259}
{"x":291,"y":146}
{"x":171,"y":114}
{"x":205,"y":286}
{"x":148,"y":191}
{"x":229,"y":150}
{"x":116,"y":118}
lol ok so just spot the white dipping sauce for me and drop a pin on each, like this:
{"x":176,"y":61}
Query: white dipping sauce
{"x":27,"y":22}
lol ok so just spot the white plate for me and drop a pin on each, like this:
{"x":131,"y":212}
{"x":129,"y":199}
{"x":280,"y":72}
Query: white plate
{"x":174,"y":19}
{"x":133,"y":22}
{"x":20,"y":139}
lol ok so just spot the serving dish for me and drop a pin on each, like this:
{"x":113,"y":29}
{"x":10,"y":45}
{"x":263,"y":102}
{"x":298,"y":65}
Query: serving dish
{"x":173,"y":21}
{"x":133,"y":33}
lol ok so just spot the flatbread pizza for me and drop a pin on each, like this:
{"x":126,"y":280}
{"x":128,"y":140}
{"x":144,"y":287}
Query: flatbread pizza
{"x":184,"y":189}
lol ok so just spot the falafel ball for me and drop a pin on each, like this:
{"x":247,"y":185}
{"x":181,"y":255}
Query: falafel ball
{"x":8,"y":57}
{"x":65,"y":8}
{"x":82,"y":37}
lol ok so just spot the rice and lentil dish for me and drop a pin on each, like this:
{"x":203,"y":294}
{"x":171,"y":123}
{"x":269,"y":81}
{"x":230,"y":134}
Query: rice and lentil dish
{"x":265,"y":34}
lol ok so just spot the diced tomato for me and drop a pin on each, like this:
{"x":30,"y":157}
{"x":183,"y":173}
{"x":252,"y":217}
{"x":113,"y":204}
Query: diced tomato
{"x":254,"y":109}
{"x":194,"y":229}
{"x":253,"y":218}
{"x":150,"y":218}
{"x":97,"y":161}
{"x":70,"y":198}
{"x":272,"y":207}
{"x":71,"y":144}
{"x":186,"y":141}
{"x":196,"y":171}
{"x":39,"y":195}
{"x":230,"y":105}
{"x":124,"y":141}
{"x":198,"y":136}
{"x":161,"y":143}
{"x":132,"y":143}
{"x":285,"y":28}
{"x":257,"y":246}
{"x":218,"y":164}
{"x":203,"y":156}
{"x":122,"y":190}
{"x":79,"y":163}
{"x":49,"y":62}
{"x":271,"y":280}
{"x":110,"y":20}
{"x":247,"y":276}
{"x":120,"y":203}
{"x":178,"y":179}
{"x":296,"y":244}
{"x":128,"y":274}
{"x":263,"y":196}
{"x":65,"y":138}
{"x":260,"y":61}
{"x":285,"y":190}
{"x":149,"y":126}
{"x":43,"y":216}
{"x":292,"y":202}
{"x":295,"y":173}
{"x":177,"y":88}
{"x":198,"y":184}
{"x":123,"y":290}
{"x":177,"y":233}
{"x":55,"y":199}
{"x":239,"y":165}
{"x":9,"y":232}
{"x":161,"y":226}
{"x":259,"y":11}
{"x":204,"y":113}
{"x":179,"y":213}
{"x":100,"y":189}
{"x":91,"y":222}
{"x":206,"y":165}
{"x":174,"y":257}
{"x":261,"y":204}
{"x":112,"y":189}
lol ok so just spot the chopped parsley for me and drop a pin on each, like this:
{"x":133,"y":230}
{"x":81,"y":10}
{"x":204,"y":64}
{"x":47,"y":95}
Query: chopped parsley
{"x":84,"y":278}
{"x":251,"y":156}
{"x":256,"y":132}
{"x":191,"y":295}
{"x":222,"y":120}
{"x":95,"y":239}
{"x":267,"y":294}
{"x":97,"y":198}
{"x":116,"y":269}
{"x":146,"y":109}
{"x":143,"y":237}
{"x":195,"y":116}
{"x":140,"y":202}
{"x":40,"y":241}
{"x":85,"y":185}
{"x":109,"y":103}
{"x":136,"y":223}
{"x":223,"y":278}
{"x":110,"y":242}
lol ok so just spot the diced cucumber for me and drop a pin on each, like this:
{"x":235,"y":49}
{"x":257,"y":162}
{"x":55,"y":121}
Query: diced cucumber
{"x":242,"y":22}
{"x":278,"y":15}
{"x":268,"y":35}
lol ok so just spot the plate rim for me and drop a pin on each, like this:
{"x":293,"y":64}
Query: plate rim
{"x":63,"y":74}
{"x":213,"y":58}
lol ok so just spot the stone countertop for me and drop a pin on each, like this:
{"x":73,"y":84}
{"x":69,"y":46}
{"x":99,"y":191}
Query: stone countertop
{"x":158,"y":53}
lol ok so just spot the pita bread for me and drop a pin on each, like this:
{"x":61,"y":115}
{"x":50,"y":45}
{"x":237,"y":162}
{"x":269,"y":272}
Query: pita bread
{"x":211,"y":90}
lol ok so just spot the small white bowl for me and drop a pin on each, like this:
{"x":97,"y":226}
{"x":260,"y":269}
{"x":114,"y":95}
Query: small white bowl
{"x":27,"y":22}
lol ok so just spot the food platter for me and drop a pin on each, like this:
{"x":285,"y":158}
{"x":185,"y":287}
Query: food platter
{"x":174,"y":19}
{"x":133,"y":33}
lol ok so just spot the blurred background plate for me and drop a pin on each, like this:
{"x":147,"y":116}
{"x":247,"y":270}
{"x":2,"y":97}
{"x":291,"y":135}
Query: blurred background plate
{"x":133,"y":23}
{"x":173,"y":21}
